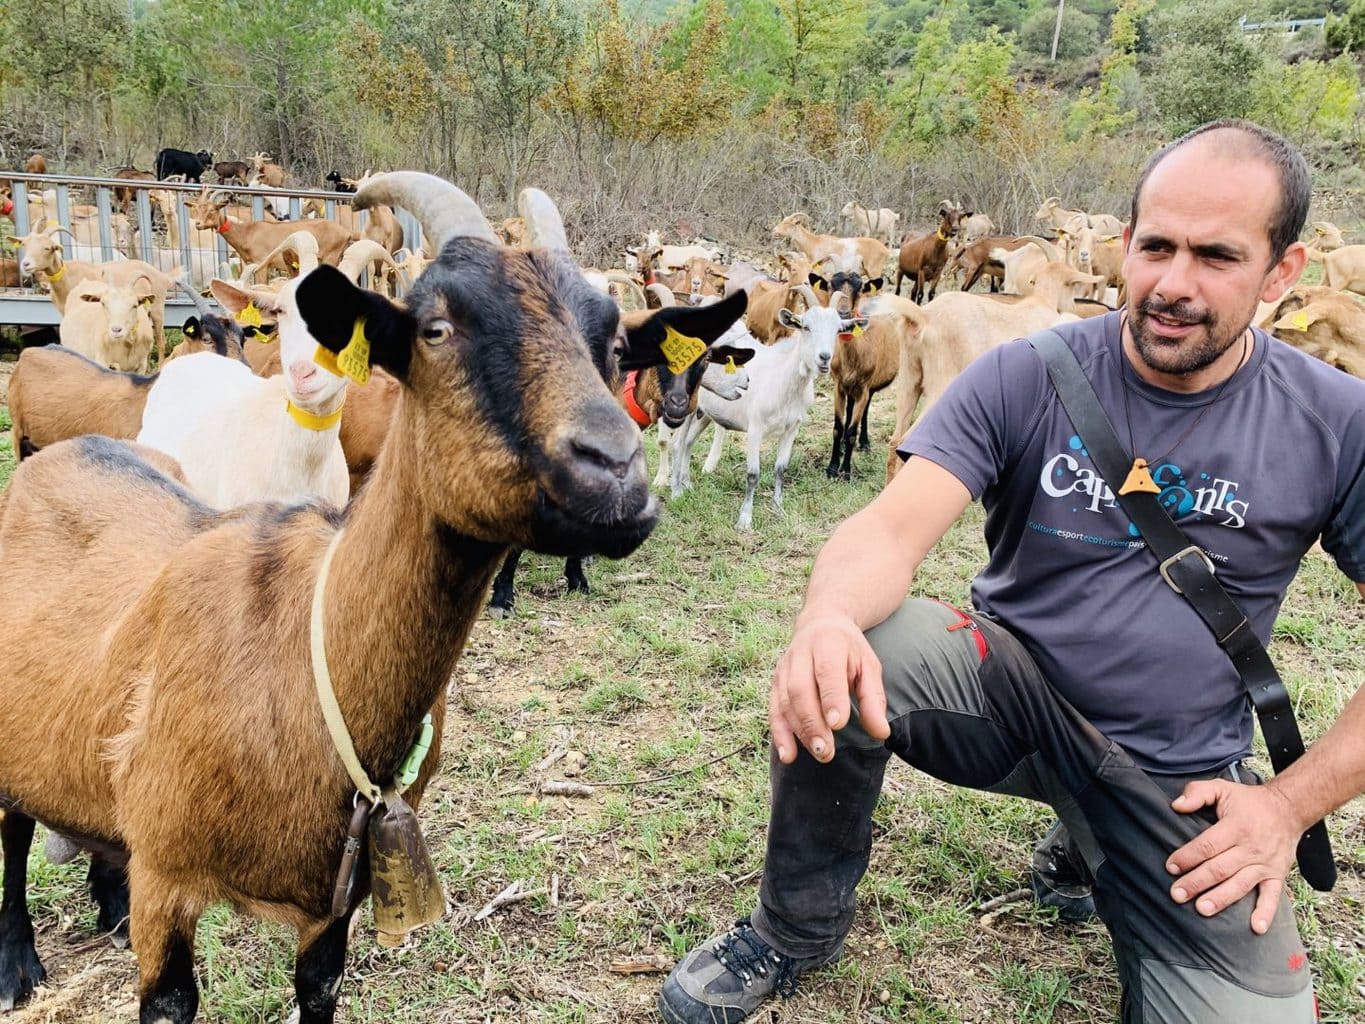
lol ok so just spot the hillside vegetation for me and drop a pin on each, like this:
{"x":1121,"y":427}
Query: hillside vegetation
{"x":710,"y":118}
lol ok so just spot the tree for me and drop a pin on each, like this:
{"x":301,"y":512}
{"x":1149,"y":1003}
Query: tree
{"x":1202,"y":65}
{"x":1080,"y":33}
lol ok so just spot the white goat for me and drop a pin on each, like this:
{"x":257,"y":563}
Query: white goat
{"x":243,"y":438}
{"x":110,"y":324}
{"x":780,"y":394}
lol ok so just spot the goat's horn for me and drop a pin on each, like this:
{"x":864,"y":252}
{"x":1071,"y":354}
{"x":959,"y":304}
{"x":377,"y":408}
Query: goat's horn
{"x":1049,"y":250}
{"x":661,"y":295}
{"x":445,"y":212}
{"x":544,"y":225}
{"x":58,"y":229}
{"x":360,"y":254}
{"x":807,"y":293}
{"x":200,"y":304}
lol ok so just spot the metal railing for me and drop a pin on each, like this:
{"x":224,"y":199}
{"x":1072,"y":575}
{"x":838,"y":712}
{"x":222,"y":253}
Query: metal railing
{"x":111,"y":231}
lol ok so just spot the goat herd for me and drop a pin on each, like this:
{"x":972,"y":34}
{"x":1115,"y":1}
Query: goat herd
{"x":186,"y":601}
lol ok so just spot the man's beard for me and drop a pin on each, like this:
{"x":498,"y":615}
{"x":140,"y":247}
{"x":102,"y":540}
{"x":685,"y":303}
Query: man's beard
{"x":1184,"y":356}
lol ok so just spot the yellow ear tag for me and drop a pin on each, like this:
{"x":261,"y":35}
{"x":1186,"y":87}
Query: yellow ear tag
{"x":680,"y":350}
{"x":250,"y":316}
{"x":354,"y":359}
{"x":730,"y":366}
{"x":189,"y":331}
{"x":1300,"y":320}
{"x":857,"y":329}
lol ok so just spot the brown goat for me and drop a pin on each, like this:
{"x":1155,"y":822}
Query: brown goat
{"x":924,"y":256}
{"x":36,"y":164}
{"x":255,"y":240}
{"x":202,"y":754}
{"x":56,"y":393}
{"x":864,"y":363}
{"x":975,"y":259}
{"x":123,"y":195}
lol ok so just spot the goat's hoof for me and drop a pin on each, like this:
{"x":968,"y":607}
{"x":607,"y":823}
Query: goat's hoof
{"x":497,"y":611}
{"x":20,"y":973}
{"x":831,"y":471}
{"x":577,"y":586}
{"x":118,"y":938}
{"x":864,"y":446}
{"x":844,"y":475}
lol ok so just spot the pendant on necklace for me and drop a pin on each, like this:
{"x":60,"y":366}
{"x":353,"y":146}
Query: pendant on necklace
{"x":1139,"y":480}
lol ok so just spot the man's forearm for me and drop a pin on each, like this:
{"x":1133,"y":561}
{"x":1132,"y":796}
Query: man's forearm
{"x":863,"y":571}
{"x":1333,"y":769}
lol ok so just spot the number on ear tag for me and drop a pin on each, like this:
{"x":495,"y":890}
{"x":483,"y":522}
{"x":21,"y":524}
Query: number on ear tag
{"x":680,"y":350}
{"x":354,"y":359}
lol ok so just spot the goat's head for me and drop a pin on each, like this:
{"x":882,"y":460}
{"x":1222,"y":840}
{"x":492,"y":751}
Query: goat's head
{"x":504,"y":355}
{"x":818,"y":330}
{"x":40,"y":250}
{"x":843,"y":289}
{"x":125,"y":313}
{"x":694,"y":330}
{"x":208,"y":332}
{"x":205,"y":158}
{"x":1045,"y":211}
{"x":790,"y":223}
{"x":207,"y":211}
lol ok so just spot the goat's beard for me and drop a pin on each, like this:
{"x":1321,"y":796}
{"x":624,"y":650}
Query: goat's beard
{"x":1184,"y":356}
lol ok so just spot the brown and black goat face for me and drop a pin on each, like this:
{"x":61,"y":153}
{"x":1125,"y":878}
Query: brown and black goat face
{"x":503,"y":354}
{"x":686,"y":336}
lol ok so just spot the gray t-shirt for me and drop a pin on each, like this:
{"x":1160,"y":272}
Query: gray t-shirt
{"x":1276,"y":462}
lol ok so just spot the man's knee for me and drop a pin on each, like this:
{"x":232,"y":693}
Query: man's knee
{"x":1181,"y":994}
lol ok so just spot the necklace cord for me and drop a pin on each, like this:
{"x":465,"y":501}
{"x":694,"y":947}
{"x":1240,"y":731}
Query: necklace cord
{"x":1127,"y":416}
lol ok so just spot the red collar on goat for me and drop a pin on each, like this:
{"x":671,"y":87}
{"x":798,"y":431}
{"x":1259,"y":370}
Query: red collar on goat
{"x":632,"y":406}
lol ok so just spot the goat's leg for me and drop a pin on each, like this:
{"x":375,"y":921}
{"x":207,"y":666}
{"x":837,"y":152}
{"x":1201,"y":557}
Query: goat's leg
{"x":20,"y":968}
{"x":574,"y":577}
{"x":682,"y":456}
{"x":504,"y":586}
{"x":784,"y":454}
{"x":664,"y":473}
{"x":900,"y":276}
{"x":109,"y":889}
{"x":318,"y":968}
{"x":864,"y":441}
{"x":713,"y":456}
{"x":163,"y":934}
{"x":832,"y":470}
{"x":754,"y":444}
{"x":851,"y":414}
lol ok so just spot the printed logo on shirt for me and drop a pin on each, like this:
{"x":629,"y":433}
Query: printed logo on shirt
{"x":1194,"y":496}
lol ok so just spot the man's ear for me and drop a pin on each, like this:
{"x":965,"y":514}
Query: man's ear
{"x":331,"y":307}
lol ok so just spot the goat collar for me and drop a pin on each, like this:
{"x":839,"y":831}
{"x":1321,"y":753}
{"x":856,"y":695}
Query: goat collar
{"x":940,"y":235}
{"x":637,"y":413}
{"x":224,"y":225}
{"x":311,"y":421}
{"x":59,"y":274}
{"x":322,"y":679}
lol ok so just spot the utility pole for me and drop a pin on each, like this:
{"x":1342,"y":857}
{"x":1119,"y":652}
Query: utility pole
{"x":1057,"y":31}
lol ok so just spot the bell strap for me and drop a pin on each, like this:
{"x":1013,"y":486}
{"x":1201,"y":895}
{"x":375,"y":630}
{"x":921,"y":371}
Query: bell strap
{"x":1189,"y":571}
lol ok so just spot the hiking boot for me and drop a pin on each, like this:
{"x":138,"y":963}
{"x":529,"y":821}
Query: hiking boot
{"x":729,"y":976}
{"x":1059,"y":877}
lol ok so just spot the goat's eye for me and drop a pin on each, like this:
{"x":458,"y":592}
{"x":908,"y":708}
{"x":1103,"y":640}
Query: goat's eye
{"x":437,"y":332}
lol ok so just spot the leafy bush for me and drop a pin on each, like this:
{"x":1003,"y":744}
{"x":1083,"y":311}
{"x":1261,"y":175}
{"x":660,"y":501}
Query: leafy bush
{"x":1080,"y":33}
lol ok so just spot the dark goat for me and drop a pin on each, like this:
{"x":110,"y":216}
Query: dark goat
{"x":180,"y":161}
{"x":124,"y":195}
{"x":232,"y":170}
{"x":338,"y":182}
{"x":200,"y":754}
{"x":975,"y":259}
{"x":659,"y":393}
{"x":923,"y":256}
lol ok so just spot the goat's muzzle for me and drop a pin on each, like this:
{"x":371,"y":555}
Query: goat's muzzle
{"x":595,"y":496}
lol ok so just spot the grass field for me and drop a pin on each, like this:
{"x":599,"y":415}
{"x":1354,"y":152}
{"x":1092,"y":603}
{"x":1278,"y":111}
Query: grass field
{"x":655,"y":685}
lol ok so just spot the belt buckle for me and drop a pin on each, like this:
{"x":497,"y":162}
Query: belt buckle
{"x":1193,"y":549}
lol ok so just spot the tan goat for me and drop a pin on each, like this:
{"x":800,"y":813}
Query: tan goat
{"x":110,"y":324}
{"x":866,"y":256}
{"x":1329,"y":326}
{"x":254,"y":240}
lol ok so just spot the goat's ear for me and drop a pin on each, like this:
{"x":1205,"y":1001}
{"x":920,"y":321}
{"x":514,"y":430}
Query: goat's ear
{"x":191,"y":328}
{"x":706,"y":323}
{"x":229,"y":296}
{"x":789,"y":319}
{"x":331,"y":306}
{"x":872,"y":287}
{"x":816,"y":281}
{"x":723,"y":353}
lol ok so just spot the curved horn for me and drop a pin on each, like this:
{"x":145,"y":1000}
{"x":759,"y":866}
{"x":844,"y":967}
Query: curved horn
{"x":57,"y":229}
{"x":201,"y":306}
{"x":807,"y":293}
{"x":626,"y":281}
{"x":360,"y":254}
{"x":1049,"y":250}
{"x":660,"y":294}
{"x":445,"y":212}
{"x":303,"y":244}
{"x":544,"y":225}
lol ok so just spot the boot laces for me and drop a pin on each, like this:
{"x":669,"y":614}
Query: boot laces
{"x":741,"y":952}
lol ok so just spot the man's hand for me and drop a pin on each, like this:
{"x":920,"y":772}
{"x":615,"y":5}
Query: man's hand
{"x":828,"y":658}
{"x":1251,"y":846}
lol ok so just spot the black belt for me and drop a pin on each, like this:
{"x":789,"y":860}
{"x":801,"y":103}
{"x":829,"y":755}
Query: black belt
{"x":1189,"y":572}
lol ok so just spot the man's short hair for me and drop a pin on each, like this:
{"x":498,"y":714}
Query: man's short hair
{"x":1296,"y":187}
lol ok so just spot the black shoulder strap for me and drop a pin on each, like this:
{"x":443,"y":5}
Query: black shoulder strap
{"x":1188,"y":570}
